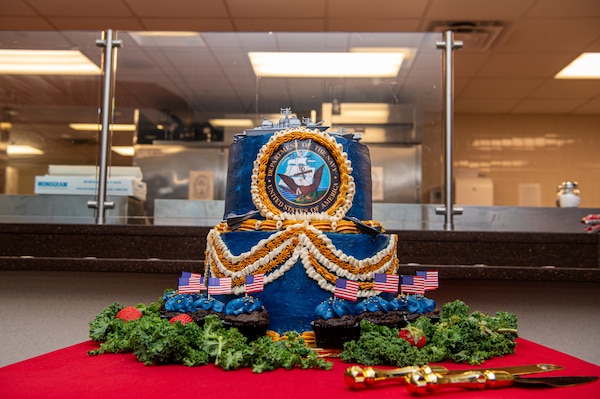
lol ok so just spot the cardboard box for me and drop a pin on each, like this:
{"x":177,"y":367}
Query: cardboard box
{"x":79,"y":185}
{"x":92,"y":170}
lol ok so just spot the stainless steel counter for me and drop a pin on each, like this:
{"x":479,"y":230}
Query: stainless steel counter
{"x":406,"y":217}
{"x":69,"y":209}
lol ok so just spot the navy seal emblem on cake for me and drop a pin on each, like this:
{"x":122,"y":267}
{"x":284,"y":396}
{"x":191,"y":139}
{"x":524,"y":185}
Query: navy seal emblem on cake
{"x":302,"y":172}
{"x":302,"y":176}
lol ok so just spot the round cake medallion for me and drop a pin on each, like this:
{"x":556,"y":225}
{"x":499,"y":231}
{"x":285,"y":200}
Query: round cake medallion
{"x":301,"y":172}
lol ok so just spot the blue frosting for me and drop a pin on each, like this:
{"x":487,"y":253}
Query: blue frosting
{"x":332,"y":308}
{"x":292,"y":298}
{"x":245,"y":304}
{"x":180,"y":303}
{"x":185,"y":303}
{"x":413,"y":304}
{"x":244,"y":150}
{"x":427,"y":304}
{"x":209,"y":304}
{"x":373,"y":304}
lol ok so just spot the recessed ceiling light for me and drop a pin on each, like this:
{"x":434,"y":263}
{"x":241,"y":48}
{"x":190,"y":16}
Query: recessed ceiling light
{"x":46,"y":62}
{"x":13,"y":149}
{"x":126,"y":151}
{"x":96,"y":127}
{"x":231,"y":122}
{"x":167,"y":39}
{"x":326,"y":65}
{"x":586,"y":66}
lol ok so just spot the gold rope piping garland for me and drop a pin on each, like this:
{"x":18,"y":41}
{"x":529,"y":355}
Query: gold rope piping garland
{"x":343,"y":226}
{"x":277,"y":239}
{"x":331,"y":278}
{"x":263,"y":251}
{"x":214,"y":257}
{"x":324,"y":250}
{"x":282,"y":137}
{"x":253,"y":257}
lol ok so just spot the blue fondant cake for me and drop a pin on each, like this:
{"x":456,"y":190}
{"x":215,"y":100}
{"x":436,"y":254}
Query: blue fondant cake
{"x":243,"y":151}
{"x":297,"y":212}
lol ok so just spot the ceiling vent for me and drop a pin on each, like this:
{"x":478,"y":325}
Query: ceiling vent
{"x":476,"y":36}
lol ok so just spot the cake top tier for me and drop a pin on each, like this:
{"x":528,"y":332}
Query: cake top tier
{"x":298,"y":173}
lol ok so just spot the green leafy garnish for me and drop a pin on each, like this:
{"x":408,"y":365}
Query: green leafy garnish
{"x":154,"y":340}
{"x":459,"y":336}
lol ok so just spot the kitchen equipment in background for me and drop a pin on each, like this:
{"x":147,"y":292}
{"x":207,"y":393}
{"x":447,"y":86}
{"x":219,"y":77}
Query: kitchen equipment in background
{"x":568,"y":195}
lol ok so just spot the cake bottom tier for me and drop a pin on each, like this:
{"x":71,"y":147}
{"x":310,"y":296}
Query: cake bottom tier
{"x":291,"y":298}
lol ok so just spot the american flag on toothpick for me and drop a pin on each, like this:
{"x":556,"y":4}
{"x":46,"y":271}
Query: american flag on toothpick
{"x":191,"y":283}
{"x":386,"y":282}
{"x":431,"y":279}
{"x":412,"y":285}
{"x":346,"y":289}
{"x":217,"y":286}
{"x":255,"y":283}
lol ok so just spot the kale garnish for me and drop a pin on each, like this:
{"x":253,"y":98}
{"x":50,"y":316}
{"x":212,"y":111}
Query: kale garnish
{"x":154,"y":340}
{"x":460,"y":335}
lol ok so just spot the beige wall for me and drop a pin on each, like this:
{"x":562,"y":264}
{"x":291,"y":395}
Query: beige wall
{"x":538,"y":149}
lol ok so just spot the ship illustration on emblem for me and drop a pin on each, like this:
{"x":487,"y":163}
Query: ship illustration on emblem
{"x":303,"y":181}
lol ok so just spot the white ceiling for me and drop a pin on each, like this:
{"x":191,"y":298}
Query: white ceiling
{"x":531,"y":41}
{"x":515,"y":75}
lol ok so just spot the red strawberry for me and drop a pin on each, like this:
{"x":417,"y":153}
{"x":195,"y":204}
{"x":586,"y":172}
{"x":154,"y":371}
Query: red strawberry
{"x":182,"y":318}
{"x":413,"y":335}
{"x":129,"y":313}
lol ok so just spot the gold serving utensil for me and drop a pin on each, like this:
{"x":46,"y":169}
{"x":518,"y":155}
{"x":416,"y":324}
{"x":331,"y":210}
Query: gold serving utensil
{"x":359,"y":377}
{"x":363,"y":377}
{"x":423,"y":381}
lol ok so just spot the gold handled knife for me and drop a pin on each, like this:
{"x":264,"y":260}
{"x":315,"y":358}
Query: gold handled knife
{"x":423,"y":381}
{"x":362,"y":377}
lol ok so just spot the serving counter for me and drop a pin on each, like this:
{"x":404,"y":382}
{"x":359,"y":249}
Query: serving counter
{"x":172,"y":249}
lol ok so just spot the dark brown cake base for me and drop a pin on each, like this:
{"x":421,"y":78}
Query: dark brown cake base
{"x":390,"y":319}
{"x":252,"y":325}
{"x":332,"y":333}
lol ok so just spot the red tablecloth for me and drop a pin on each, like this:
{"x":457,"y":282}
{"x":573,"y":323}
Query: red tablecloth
{"x":71,"y":373}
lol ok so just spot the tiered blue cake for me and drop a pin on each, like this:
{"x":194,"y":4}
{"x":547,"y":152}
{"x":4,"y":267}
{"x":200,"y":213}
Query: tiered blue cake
{"x":297,"y":210}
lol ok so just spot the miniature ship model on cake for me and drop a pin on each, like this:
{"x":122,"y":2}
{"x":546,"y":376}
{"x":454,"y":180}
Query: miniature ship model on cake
{"x":288,"y":121}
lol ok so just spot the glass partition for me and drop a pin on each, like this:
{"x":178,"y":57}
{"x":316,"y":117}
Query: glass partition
{"x":180,"y":98}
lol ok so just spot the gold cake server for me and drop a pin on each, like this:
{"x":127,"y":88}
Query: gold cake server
{"x":425,"y":381}
{"x":361,"y":377}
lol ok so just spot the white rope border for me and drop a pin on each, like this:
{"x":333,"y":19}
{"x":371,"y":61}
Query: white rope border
{"x":302,"y":251}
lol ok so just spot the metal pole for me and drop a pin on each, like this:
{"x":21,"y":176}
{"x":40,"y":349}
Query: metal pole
{"x":448,"y":45}
{"x":109,"y":69}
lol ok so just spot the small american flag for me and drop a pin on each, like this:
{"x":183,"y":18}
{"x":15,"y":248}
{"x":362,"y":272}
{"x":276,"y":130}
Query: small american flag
{"x":386,"y":282}
{"x":191,"y":283}
{"x":346,"y":289}
{"x":219,"y":285}
{"x":255,"y":283}
{"x":412,"y":285}
{"x":431,"y":279}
